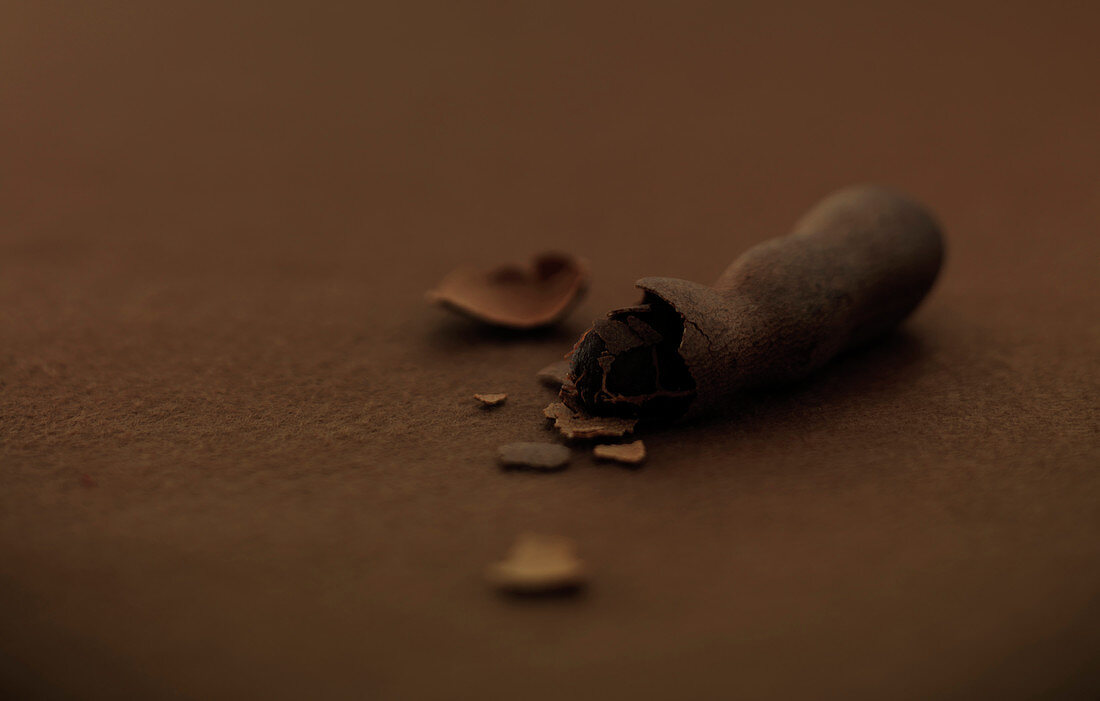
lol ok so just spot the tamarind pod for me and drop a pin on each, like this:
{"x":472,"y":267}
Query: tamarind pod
{"x":853,"y":268}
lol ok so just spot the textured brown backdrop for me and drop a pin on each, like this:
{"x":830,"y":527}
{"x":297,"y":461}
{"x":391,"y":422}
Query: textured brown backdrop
{"x":239,"y":455}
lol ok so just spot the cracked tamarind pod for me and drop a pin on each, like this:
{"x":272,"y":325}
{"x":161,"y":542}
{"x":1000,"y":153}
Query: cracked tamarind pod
{"x":853,"y":268}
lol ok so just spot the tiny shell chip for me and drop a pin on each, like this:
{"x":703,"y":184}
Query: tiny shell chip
{"x":573,"y":424}
{"x":554,"y":374}
{"x":514,"y":296}
{"x":491,"y":399}
{"x":534,"y":456}
{"x":628,"y":453}
{"x":538,"y":564}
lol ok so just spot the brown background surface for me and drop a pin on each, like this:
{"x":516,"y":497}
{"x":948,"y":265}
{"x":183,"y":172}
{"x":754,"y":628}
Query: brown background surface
{"x":239,"y":454}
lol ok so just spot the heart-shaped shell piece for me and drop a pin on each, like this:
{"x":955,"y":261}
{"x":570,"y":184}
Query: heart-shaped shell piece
{"x":516,"y":296}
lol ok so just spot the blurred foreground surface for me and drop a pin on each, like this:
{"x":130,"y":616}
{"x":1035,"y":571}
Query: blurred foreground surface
{"x":239,"y":455}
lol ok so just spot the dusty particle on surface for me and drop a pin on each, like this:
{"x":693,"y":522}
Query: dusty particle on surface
{"x":573,"y":424}
{"x":554,"y":374}
{"x":515,"y":296}
{"x":87,"y":480}
{"x":534,"y":456}
{"x":491,"y":398}
{"x":627,"y":453}
{"x":538,"y":564}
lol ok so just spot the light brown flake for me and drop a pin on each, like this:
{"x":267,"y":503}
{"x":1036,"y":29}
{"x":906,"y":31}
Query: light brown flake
{"x":492,"y":398}
{"x":538,"y":564}
{"x":534,"y":456}
{"x":627,"y":453}
{"x":573,"y":424}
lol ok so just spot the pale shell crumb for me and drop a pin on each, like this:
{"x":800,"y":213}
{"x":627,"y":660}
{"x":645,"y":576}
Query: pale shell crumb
{"x":627,"y":453}
{"x":491,"y":398}
{"x":538,"y":564}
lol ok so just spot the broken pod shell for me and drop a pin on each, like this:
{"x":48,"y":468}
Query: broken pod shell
{"x":516,"y":296}
{"x":855,"y":266}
